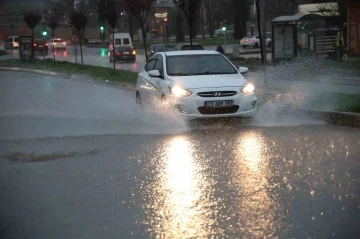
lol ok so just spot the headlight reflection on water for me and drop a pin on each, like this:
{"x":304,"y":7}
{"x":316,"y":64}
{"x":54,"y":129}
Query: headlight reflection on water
{"x":178,"y":208}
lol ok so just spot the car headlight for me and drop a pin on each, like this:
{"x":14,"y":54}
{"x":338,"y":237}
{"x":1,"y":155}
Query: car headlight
{"x":180,"y":92}
{"x":248,"y":89}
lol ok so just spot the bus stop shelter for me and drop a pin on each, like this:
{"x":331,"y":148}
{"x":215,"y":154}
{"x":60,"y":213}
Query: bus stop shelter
{"x":298,"y":35}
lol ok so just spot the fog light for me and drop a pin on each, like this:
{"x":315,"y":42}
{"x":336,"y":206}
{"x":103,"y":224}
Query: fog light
{"x":180,"y":109}
{"x":251,"y":106}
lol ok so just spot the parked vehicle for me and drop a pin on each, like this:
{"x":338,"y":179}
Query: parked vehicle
{"x":228,"y":32}
{"x":123,"y":53}
{"x":253,"y":41}
{"x":41,"y":45}
{"x":157,"y":48}
{"x":196,"y":84}
{"x":12,"y":42}
{"x":58,"y":44}
{"x":187,"y":46}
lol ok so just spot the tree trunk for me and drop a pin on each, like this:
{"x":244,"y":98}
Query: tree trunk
{"x":260,"y":32}
{"x":202,"y":22}
{"x":190,"y":34}
{"x":80,"y":38}
{"x":263,"y":8}
{"x":113,"y":44}
{"x":32,"y":45}
{"x":52,"y":40}
{"x":144,"y":39}
{"x":211,"y":19}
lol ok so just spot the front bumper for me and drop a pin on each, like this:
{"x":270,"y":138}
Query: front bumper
{"x":193,"y":106}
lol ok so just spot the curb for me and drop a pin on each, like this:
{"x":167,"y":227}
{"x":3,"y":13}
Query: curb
{"x":123,"y":86}
{"x":335,"y":118}
{"x":42,"y":72}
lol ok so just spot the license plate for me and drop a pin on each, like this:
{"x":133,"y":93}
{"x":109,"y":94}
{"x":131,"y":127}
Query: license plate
{"x":40,"y":45}
{"x":223,"y":103}
{"x":126,"y":53}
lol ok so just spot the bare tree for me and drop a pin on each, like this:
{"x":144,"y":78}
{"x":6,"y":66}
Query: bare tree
{"x":52,"y":18}
{"x":32,"y":19}
{"x":112,"y":15}
{"x":190,"y":9}
{"x":140,"y":10}
{"x":79,"y":20}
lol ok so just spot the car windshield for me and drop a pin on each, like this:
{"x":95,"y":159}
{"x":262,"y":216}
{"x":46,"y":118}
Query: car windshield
{"x":187,"y":65}
{"x":58,"y":40}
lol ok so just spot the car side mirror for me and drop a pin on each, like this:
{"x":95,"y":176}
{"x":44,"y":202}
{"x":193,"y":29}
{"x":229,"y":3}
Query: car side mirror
{"x":243,"y":70}
{"x":154,"y":73}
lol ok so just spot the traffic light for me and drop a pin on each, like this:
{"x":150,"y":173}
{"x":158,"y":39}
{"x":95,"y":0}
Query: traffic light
{"x":224,"y":28}
{"x":44,"y":33}
{"x":101,"y":28}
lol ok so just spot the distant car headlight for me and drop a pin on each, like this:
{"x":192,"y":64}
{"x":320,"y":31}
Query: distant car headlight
{"x":248,"y":89}
{"x":179,"y":92}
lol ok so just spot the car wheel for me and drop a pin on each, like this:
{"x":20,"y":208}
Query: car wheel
{"x":256,"y":45}
{"x":244,"y":47}
{"x":111,"y":60}
{"x":138,"y":99}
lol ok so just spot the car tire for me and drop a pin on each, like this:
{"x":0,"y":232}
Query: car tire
{"x":244,"y":47}
{"x":111,"y":60}
{"x":138,"y":99}
{"x":256,"y":45}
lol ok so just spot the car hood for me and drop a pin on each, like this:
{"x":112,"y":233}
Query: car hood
{"x":208,"y":81}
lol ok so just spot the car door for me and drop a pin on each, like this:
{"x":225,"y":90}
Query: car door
{"x":145,"y":85}
{"x":158,"y":82}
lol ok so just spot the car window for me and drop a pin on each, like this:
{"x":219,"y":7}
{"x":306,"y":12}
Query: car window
{"x":118,"y":41}
{"x":199,"y":64}
{"x":58,"y":40}
{"x":9,"y":40}
{"x":16,"y":39}
{"x":159,"y":48}
{"x":126,"y":41}
{"x":257,"y":37}
{"x":159,"y":64}
{"x":193,"y":47}
{"x":150,"y":65}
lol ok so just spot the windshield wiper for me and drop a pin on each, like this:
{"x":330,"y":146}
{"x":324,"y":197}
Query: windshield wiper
{"x":178,"y":74}
{"x":213,"y":73}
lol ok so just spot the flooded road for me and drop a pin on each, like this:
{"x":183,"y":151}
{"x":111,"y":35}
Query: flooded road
{"x":78,"y":159}
{"x":297,"y":182}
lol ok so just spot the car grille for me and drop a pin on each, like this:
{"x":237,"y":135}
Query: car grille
{"x":218,"y":111}
{"x":217,"y":93}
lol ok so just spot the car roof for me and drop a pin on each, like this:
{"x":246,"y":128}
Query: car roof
{"x":190,"y":52}
{"x":188,"y":43}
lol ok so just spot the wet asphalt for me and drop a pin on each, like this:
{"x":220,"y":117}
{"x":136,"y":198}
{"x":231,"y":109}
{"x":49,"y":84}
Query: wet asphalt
{"x":80,"y":168}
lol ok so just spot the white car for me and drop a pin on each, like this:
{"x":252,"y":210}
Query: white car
{"x":58,"y":44}
{"x":228,"y":31}
{"x":254,"y":41}
{"x":196,"y":84}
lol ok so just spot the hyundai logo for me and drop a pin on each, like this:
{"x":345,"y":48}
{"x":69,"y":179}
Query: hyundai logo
{"x":217,"y":94}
